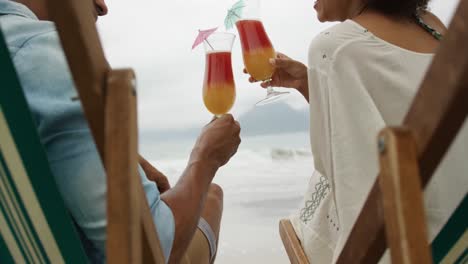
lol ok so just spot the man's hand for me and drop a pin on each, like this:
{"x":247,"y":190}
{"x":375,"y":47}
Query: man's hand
{"x":154,"y":175}
{"x":218,"y":141}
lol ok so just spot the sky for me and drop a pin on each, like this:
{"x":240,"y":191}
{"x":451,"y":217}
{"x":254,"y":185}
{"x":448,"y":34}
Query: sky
{"x":155,"y":38}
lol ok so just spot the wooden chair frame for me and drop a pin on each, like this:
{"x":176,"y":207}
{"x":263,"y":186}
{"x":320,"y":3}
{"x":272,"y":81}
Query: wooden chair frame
{"x":109,"y":101}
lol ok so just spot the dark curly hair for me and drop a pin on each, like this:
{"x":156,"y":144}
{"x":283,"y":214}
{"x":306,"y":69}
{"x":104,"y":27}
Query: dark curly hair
{"x":398,"y":8}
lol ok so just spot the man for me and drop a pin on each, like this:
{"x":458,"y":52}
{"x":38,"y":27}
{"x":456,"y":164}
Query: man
{"x":39,"y":60}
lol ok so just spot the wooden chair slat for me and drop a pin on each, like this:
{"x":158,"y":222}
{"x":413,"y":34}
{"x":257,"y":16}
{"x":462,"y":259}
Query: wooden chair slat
{"x":292,"y":244}
{"x":403,"y":198}
{"x":123,"y":203}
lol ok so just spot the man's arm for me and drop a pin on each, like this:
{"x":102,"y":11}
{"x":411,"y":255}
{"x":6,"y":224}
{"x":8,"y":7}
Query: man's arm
{"x":178,"y":196}
{"x":186,"y":201}
{"x":215,"y":146}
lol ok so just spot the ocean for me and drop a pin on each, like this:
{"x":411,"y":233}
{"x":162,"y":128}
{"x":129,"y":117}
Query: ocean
{"x":262,"y":184}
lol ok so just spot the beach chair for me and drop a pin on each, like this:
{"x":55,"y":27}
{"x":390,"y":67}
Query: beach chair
{"x":409,"y":156}
{"x":35,"y":224}
{"x":109,"y":101}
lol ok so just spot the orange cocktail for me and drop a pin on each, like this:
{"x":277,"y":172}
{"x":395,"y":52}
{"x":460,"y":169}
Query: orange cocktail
{"x":219,"y":91}
{"x":256,"y":49}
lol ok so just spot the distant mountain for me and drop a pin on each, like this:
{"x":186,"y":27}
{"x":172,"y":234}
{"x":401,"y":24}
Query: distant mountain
{"x":274,"y":119}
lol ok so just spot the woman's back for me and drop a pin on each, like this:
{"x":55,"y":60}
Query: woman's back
{"x":363,"y":75}
{"x":404,"y":33}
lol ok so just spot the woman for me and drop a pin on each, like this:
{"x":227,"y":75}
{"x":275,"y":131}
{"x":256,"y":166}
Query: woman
{"x":363,"y":74}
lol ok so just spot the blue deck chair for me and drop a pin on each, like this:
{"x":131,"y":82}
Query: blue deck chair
{"x":35,"y":226}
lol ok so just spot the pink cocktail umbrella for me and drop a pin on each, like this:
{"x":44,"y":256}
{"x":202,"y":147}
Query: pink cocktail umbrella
{"x":202,"y":36}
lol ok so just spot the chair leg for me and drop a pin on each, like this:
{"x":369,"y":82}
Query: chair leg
{"x":400,"y":183}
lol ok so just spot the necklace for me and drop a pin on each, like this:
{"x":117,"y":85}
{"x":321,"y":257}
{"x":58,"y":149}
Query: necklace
{"x":436,"y":34}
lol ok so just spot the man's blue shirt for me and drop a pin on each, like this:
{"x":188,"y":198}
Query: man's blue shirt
{"x":47,"y":83}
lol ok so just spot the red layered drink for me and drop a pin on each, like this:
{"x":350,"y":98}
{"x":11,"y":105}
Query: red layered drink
{"x":256,"y":49}
{"x":219,"y":91}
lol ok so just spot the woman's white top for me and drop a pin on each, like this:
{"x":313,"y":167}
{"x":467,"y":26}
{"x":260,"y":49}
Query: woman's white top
{"x":358,"y":85}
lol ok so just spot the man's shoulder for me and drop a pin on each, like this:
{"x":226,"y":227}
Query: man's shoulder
{"x":37,"y":55}
{"x":22,"y":31}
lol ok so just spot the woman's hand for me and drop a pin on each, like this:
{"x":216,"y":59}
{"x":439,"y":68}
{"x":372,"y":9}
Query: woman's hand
{"x":288,"y":73}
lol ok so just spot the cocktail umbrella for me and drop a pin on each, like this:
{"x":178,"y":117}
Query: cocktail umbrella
{"x":202,"y":36}
{"x":234,"y":14}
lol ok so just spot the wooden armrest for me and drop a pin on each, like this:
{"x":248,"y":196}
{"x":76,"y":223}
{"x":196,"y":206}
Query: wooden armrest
{"x":291,"y":243}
